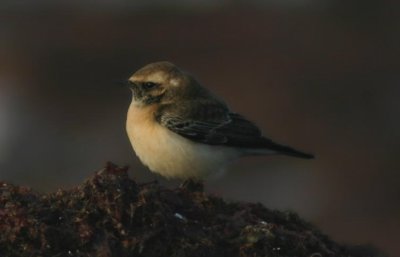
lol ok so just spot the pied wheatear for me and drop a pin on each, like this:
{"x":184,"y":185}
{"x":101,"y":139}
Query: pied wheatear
{"x":179,"y":129}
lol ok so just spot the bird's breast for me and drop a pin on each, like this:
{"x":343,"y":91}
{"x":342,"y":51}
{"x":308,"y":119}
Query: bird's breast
{"x":170,"y":154}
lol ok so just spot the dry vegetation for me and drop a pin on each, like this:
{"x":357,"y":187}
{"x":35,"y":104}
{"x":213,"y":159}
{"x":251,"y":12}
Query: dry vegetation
{"x":111,"y":215}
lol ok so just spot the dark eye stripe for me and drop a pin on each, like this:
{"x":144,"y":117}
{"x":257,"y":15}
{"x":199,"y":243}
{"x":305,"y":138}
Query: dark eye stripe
{"x":149,"y":85}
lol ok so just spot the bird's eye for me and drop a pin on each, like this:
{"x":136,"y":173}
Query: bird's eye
{"x":149,"y":85}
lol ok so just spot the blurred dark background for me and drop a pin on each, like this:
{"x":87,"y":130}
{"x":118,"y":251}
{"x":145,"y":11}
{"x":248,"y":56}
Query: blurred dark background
{"x":322,"y":76}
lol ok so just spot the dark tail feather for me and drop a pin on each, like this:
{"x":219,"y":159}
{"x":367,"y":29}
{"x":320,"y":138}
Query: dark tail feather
{"x":293,"y":152}
{"x":269,"y":147}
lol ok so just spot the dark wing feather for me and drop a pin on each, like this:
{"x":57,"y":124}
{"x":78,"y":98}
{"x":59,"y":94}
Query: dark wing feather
{"x":233,"y":130}
{"x":215,"y":125}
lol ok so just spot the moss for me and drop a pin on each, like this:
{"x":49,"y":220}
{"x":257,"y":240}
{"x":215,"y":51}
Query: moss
{"x":112,"y":215}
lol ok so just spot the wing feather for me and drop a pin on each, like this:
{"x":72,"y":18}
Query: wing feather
{"x":210,"y":124}
{"x":213,"y":124}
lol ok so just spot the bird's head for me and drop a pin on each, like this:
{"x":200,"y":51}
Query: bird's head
{"x":158,"y":83}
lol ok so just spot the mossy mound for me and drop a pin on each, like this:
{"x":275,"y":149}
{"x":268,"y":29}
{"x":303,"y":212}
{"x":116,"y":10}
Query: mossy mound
{"x":111,"y":215}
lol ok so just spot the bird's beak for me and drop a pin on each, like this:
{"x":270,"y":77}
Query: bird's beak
{"x":127,"y":83}
{"x":122,"y":83}
{"x":134,"y":88}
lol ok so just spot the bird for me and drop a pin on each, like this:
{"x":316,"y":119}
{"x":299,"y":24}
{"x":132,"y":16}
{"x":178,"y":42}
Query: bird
{"x":181,"y":130}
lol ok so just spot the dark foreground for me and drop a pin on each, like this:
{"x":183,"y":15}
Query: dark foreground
{"x":111,"y":215}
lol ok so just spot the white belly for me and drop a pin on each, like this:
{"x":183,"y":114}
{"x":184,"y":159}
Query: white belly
{"x":171,"y":155}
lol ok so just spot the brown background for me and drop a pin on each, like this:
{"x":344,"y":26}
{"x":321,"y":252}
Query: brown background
{"x":322,"y":76}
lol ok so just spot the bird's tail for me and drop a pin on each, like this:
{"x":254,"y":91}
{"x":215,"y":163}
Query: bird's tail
{"x":270,"y":147}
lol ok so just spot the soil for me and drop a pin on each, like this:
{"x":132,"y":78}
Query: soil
{"x":112,"y":215}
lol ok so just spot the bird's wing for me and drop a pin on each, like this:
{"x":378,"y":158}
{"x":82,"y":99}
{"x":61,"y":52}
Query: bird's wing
{"x":208,"y":123}
{"x":213,"y":124}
